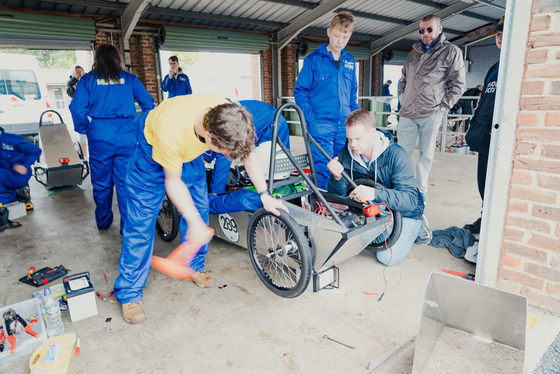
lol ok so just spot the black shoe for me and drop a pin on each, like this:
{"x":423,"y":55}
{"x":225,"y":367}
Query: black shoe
{"x":474,"y":227}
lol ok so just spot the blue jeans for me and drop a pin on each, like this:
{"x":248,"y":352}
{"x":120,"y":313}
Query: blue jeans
{"x":403,"y":246}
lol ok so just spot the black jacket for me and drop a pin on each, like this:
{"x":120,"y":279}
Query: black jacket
{"x":71,"y":86}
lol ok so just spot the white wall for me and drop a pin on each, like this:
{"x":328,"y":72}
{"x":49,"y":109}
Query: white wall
{"x":483,"y":55}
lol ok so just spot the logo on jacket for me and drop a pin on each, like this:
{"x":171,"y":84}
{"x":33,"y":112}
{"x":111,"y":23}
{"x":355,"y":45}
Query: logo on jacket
{"x":349,"y":65}
{"x":7,"y":147}
{"x":101,"y":82}
{"x":491,"y":87}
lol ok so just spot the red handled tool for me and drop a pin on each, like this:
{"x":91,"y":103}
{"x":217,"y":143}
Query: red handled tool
{"x":466,"y":276}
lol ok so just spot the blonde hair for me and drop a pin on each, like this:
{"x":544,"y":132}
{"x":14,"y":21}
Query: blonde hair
{"x":344,"y":20}
{"x":360,"y":116}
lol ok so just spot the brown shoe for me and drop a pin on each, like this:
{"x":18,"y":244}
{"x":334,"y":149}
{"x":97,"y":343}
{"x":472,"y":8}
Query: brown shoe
{"x":203,"y":279}
{"x":134,"y":312}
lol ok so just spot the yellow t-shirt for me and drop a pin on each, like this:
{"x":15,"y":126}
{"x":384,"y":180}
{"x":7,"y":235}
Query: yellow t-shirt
{"x":169,"y":129}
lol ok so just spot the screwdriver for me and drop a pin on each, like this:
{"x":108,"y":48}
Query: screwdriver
{"x":31,"y":271}
{"x":466,"y":276}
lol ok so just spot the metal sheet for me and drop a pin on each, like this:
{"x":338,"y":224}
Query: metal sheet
{"x":479,"y":310}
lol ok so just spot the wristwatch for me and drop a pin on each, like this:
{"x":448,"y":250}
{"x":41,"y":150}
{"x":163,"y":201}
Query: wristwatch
{"x":264,"y":192}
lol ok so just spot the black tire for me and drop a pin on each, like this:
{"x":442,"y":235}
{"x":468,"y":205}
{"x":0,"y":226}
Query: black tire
{"x":167,"y":225}
{"x":279,"y":252}
{"x":397,"y":218}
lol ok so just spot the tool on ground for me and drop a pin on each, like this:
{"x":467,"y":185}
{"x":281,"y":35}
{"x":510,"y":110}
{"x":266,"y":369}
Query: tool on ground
{"x":336,"y":341}
{"x":43,"y":276}
{"x":53,"y":356}
{"x":78,"y":346}
{"x":103,"y":297}
{"x":466,"y":276}
{"x":176,"y":265}
{"x":11,"y":321}
{"x":31,"y":271}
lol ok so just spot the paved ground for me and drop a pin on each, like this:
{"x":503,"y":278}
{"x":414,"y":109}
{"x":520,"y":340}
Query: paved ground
{"x":241,"y":328}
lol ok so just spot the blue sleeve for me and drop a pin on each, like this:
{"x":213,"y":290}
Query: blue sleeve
{"x":302,"y":90}
{"x":189,"y":89}
{"x":354,"y":94}
{"x":165,"y":84}
{"x":402,"y":195}
{"x":31,"y":152}
{"x":79,"y":107}
{"x":145,"y":100}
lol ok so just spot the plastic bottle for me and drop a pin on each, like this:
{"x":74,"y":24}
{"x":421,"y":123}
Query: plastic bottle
{"x":51,"y":313}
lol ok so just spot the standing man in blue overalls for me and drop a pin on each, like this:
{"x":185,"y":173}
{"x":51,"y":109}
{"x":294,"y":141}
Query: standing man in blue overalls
{"x":176,"y":82}
{"x":326,"y":90}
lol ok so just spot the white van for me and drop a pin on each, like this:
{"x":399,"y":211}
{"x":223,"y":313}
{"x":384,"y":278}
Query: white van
{"x":23,"y":94}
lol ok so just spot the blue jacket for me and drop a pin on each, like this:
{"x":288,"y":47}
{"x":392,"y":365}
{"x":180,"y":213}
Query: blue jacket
{"x":102,"y":101}
{"x":325,"y":93}
{"x":393,"y":169}
{"x":176,"y":86}
{"x":263,"y":119}
{"x":15,"y":150}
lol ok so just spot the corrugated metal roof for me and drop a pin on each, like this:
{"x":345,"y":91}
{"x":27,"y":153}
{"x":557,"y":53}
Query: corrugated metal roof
{"x":374,"y":18}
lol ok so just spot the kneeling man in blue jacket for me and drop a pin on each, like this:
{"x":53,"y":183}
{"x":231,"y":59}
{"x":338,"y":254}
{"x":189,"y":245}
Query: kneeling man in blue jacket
{"x":373,"y":154}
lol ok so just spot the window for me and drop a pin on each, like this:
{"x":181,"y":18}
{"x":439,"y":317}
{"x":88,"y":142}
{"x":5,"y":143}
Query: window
{"x":22,"y":84}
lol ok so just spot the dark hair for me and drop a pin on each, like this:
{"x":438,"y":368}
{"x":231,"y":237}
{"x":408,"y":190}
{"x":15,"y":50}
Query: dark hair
{"x":173,"y":58}
{"x":431,"y":17}
{"x":231,"y":127}
{"x":360,"y":116}
{"x":389,"y":81}
{"x":108,"y":63}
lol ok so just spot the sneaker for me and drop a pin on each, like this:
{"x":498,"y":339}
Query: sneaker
{"x":203,"y":279}
{"x":474,"y":227}
{"x":425,"y":235}
{"x":134,"y":313}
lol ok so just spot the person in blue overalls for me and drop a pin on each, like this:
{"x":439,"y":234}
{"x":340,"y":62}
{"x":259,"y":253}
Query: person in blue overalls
{"x":16,"y":157}
{"x":107,"y":95}
{"x":176,"y":82}
{"x":326,"y":90}
{"x":263,"y":119}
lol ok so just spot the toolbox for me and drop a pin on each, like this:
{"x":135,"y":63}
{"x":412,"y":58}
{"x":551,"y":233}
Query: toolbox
{"x":60,"y":163}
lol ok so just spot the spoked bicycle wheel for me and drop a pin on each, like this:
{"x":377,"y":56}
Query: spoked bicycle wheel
{"x":279,"y":252}
{"x":167,"y":225}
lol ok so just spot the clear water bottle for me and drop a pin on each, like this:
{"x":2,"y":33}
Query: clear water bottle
{"x":51,"y":313}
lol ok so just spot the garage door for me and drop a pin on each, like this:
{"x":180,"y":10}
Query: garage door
{"x":39,"y":31}
{"x":190,"y":39}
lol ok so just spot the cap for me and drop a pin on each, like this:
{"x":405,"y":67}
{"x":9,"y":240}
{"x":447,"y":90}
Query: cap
{"x":499,"y":27}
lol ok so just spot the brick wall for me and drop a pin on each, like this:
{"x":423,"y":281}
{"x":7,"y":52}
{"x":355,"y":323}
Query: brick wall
{"x":530,"y":253}
{"x":142,"y":57}
{"x":376,"y":74}
{"x":256,"y":77}
{"x":289,"y":70}
{"x":267,"y":75}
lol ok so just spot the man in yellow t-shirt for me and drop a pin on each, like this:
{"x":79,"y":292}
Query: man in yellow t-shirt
{"x":171,"y":139}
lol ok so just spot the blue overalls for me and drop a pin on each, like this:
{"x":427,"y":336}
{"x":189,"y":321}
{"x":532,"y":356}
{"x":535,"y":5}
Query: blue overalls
{"x":145,"y":185}
{"x":178,"y":85}
{"x":263,"y":120}
{"x":14,"y":150}
{"x":326,"y":95}
{"x":111,"y":135}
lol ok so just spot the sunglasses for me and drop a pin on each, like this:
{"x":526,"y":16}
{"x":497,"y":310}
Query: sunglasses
{"x":428,"y":29}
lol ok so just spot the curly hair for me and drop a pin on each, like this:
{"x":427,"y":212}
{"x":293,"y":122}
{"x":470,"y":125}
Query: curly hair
{"x":231,"y":127}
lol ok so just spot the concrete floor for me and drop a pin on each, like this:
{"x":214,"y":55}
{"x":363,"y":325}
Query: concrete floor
{"x":241,"y":328}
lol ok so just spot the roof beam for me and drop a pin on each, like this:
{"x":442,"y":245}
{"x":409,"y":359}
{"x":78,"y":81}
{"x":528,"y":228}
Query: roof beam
{"x":433,"y":4}
{"x":302,"y":4}
{"x":130,"y":16}
{"x":286,"y":34}
{"x":387,"y":40}
{"x":391,"y":20}
{"x":212,"y":17}
{"x":364,"y":38}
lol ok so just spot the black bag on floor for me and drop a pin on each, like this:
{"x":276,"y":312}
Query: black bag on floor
{"x":5,"y":222}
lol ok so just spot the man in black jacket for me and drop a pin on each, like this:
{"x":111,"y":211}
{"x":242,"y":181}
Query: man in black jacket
{"x":478,"y":136}
{"x":73,"y":81}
